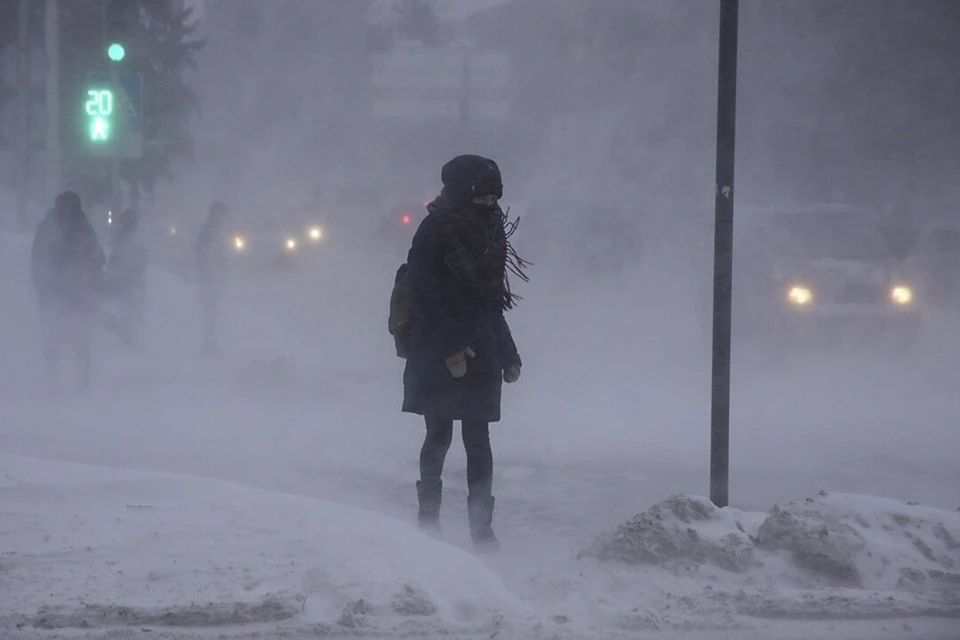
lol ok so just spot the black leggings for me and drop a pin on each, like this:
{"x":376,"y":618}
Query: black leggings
{"x":476,"y":440}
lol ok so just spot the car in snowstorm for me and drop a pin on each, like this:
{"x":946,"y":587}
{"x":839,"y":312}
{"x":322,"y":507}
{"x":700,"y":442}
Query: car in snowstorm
{"x":820,"y":277}
{"x":273,"y":241}
{"x":935,"y":263}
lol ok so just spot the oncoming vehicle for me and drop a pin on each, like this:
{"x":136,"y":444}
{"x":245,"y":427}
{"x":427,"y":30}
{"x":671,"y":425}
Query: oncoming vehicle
{"x":273,"y":241}
{"x":820,"y":276}
{"x":935,"y":263}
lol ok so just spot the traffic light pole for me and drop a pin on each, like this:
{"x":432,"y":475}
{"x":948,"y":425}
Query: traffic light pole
{"x":52,"y":38}
{"x":723,"y":255}
{"x":23,"y":80}
{"x":115,"y":195}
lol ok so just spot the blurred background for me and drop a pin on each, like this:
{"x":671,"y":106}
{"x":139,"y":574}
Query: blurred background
{"x":324,"y":123}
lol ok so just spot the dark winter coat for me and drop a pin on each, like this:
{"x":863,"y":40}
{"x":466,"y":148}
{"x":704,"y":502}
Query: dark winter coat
{"x":449,"y":317}
{"x":67,"y":261}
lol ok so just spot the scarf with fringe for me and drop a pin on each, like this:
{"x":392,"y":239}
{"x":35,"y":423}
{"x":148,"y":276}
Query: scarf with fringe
{"x":477,"y":247}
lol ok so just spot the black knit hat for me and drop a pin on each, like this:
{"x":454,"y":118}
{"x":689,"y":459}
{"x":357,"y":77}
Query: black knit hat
{"x":68,"y":201}
{"x":472,"y":175}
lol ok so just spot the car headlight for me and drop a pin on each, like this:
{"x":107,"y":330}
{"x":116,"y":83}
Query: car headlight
{"x":800,"y":295}
{"x":239,"y":243}
{"x":315,"y":234}
{"x":290,"y":244}
{"x":901,"y":295}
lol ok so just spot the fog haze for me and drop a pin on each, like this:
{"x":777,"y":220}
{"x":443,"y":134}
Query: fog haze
{"x":607,"y":147}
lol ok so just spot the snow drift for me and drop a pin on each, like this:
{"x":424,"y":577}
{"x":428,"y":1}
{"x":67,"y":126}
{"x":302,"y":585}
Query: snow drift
{"x":831,"y":540}
{"x":835,"y":556}
{"x":97,"y":548}
{"x":101,"y":552}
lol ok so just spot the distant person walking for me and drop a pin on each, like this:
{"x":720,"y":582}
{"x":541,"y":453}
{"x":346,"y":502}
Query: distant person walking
{"x":211,"y":273}
{"x":66,"y":268}
{"x":458,"y":345}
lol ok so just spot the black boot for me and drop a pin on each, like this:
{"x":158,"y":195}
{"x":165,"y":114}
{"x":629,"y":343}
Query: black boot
{"x":429,"y":494}
{"x":480,"y":511}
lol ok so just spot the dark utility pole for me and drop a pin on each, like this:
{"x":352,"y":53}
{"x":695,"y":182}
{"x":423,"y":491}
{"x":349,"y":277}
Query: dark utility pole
{"x":723,"y":255}
{"x":24,"y":82}
{"x":112,"y":27}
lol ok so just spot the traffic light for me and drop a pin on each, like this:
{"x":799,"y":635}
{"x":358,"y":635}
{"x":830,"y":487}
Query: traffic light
{"x":100,"y":107}
{"x":116,"y":51}
{"x":118,"y":15}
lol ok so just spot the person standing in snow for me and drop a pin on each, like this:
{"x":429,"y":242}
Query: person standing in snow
{"x":66,"y":268}
{"x":127,"y":276}
{"x":460,"y":346}
{"x":211,"y":272}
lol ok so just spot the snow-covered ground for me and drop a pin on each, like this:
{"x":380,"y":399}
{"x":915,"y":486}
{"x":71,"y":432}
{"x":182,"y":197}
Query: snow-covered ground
{"x":97,"y":550}
{"x":609,"y":419}
{"x":842,"y":557}
{"x":97,"y":547}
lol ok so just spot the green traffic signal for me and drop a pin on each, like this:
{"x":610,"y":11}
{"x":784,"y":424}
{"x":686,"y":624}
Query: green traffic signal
{"x":99,"y":130}
{"x":116,"y":52}
{"x":99,"y":111}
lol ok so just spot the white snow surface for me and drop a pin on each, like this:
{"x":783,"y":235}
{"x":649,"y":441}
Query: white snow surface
{"x":99,"y":550}
{"x":831,"y":557}
{"x":88,"y":547}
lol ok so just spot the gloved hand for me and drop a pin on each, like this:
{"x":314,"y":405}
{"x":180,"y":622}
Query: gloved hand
{"x":457,"y":363}
{"x":512,"y":374}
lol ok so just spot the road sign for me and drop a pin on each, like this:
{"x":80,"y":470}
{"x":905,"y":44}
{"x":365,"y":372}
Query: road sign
{"x":114,"y":114}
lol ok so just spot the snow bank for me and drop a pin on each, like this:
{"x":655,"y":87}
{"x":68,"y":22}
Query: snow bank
{"x":832,"y":557}
{"x":680,"y":529}
{"x":831,"y":540}
{"x":86,"y":547}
